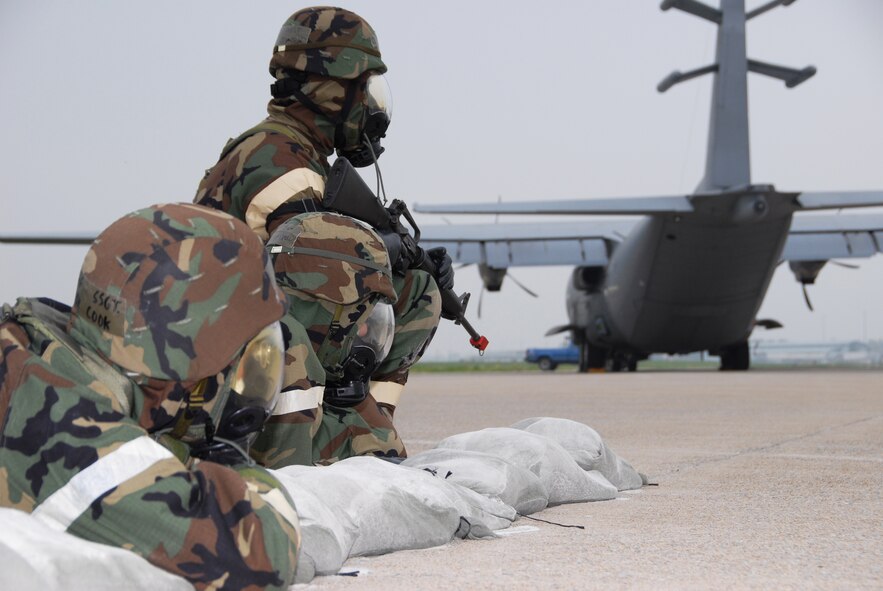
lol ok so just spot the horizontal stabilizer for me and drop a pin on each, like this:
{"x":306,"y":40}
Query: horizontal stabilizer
{"x":614,"y":206}
{"x":840,"y":199}
{"x":525,"y":245}
{"x":824,"y":237}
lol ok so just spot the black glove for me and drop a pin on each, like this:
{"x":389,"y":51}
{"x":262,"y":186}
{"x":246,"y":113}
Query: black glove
{"x":444,"y":269}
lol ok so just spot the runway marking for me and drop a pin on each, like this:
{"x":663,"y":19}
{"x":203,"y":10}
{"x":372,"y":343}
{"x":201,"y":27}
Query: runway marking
{"x":636,"y":491}
{"x":622,"y":499}
{"x":518,"y":529}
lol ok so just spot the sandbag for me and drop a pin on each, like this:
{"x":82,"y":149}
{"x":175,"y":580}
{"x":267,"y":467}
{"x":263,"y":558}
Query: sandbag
{"x":564,"y":480}
{"x":486,"y":474}
{"x":35,"y":557}
{"x":369,"y":506}
{"x":326,"y":533}
{"x":586,"y":447}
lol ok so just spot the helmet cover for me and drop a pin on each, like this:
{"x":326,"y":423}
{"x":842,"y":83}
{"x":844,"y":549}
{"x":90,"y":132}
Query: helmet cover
{"x":174,"y":291}
{"x":327,"y":41}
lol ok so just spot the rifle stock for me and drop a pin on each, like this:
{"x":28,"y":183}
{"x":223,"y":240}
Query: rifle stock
{"x":347,"y":193}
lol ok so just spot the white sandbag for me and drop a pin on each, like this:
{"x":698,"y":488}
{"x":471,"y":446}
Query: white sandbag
{"x":36,"y":557}
{"x":376,"y":507}
{"x":326,"y":533}
{"x":587,"y":447}
{"x":564,"y":480}
{"x":486,"y":474}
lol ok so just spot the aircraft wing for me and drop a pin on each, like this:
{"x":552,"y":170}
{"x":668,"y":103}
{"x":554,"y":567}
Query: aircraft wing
{"x":823,"y":237}
{"x":536,"y":244}
{"x":617,"y":206}
{"x":80,"y":238}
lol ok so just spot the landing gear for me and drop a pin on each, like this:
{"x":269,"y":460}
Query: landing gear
{"x":622,"y":362}
{"x":591,"y":358}
{"x":735,"y":357}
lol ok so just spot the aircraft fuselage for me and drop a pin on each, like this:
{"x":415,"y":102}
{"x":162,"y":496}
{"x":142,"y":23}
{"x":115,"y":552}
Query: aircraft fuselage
{"x":687,"y":281}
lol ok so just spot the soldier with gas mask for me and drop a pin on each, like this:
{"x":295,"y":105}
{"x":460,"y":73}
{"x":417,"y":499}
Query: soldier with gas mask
{"x":329,"y":94}
{"x":126,"y":419}
{"x":339,"y":328}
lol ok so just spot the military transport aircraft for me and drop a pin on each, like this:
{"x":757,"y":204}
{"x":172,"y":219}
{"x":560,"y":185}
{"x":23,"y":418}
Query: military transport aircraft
{"x":691,"y":273}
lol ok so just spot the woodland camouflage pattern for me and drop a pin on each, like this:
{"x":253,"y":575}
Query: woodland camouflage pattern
{"x":284,"y":143}
{"x":156,"y":306}
{"x":329,"y":42}
{"x":334,"y":244}
{"x":278,"y":169}
{"x":331,"y":257}
{"x":66,"y":417}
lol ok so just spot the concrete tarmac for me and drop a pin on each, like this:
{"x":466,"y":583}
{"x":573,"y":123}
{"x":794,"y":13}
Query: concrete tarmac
{"x":766,"y":480}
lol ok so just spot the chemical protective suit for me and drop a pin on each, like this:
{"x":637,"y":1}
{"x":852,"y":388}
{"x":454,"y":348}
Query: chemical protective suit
{"x":126,"y":419}
{"x":329,"y":94}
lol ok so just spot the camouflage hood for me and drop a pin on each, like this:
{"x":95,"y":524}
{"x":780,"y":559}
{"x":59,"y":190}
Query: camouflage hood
{"x":173,"y":292}
{"x":324,"y":55}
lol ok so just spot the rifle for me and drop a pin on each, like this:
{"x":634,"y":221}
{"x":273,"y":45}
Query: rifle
{"x":347,"y":193}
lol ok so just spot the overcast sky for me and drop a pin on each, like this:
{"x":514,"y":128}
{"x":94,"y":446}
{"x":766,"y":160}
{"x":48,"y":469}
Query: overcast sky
{"x":106,"y":107}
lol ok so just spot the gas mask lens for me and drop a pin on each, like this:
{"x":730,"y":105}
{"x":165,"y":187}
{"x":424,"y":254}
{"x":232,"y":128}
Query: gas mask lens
{"x":254,"y":382}
{"x":369,"y":348}
{"x":258,"y":376}
{"x":378,"y":102}
{"x":377,"y":332}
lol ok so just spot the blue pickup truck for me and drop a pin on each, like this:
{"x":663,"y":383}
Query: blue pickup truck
{"x":550,"y":358}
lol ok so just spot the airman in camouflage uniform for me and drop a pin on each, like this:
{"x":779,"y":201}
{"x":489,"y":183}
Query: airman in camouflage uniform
{"x":109,"y":409}
{"x":334,"y":270}
{"x":328,"y":68}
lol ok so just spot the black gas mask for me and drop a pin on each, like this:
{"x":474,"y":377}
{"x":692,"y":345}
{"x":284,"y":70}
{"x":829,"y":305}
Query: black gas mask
{"x":369,"y":348}
{"x":251,"y":387}
{"x":378,"y":114}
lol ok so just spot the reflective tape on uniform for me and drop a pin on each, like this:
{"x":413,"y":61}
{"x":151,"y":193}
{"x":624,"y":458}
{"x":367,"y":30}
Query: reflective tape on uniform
{"x":295,"y":400}
{"x":386,"y":392}
{"x":63,"y":506}
{"x":278,"y":192}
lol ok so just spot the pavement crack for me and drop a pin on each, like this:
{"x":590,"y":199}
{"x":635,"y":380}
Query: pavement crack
{"x":727,"y":456}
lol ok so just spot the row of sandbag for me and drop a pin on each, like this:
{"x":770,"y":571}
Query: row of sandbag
{"x":468,"y":486}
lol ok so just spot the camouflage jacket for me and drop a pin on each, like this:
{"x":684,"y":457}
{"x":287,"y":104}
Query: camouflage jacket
{"x":75,"y":457}
{"x":272,"y":171}
{"x":267,"y":174}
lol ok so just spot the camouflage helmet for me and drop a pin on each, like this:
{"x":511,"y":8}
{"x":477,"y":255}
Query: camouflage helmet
{"x":174,"y":291}
{"x":331,"y":257}
{"x":327,"y":41}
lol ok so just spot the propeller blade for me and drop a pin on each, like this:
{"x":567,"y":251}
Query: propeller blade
{"x":806,"y":297}
{"x":845,"y":265}
{"x":521,"y":285}
{"x":480,"y":298}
